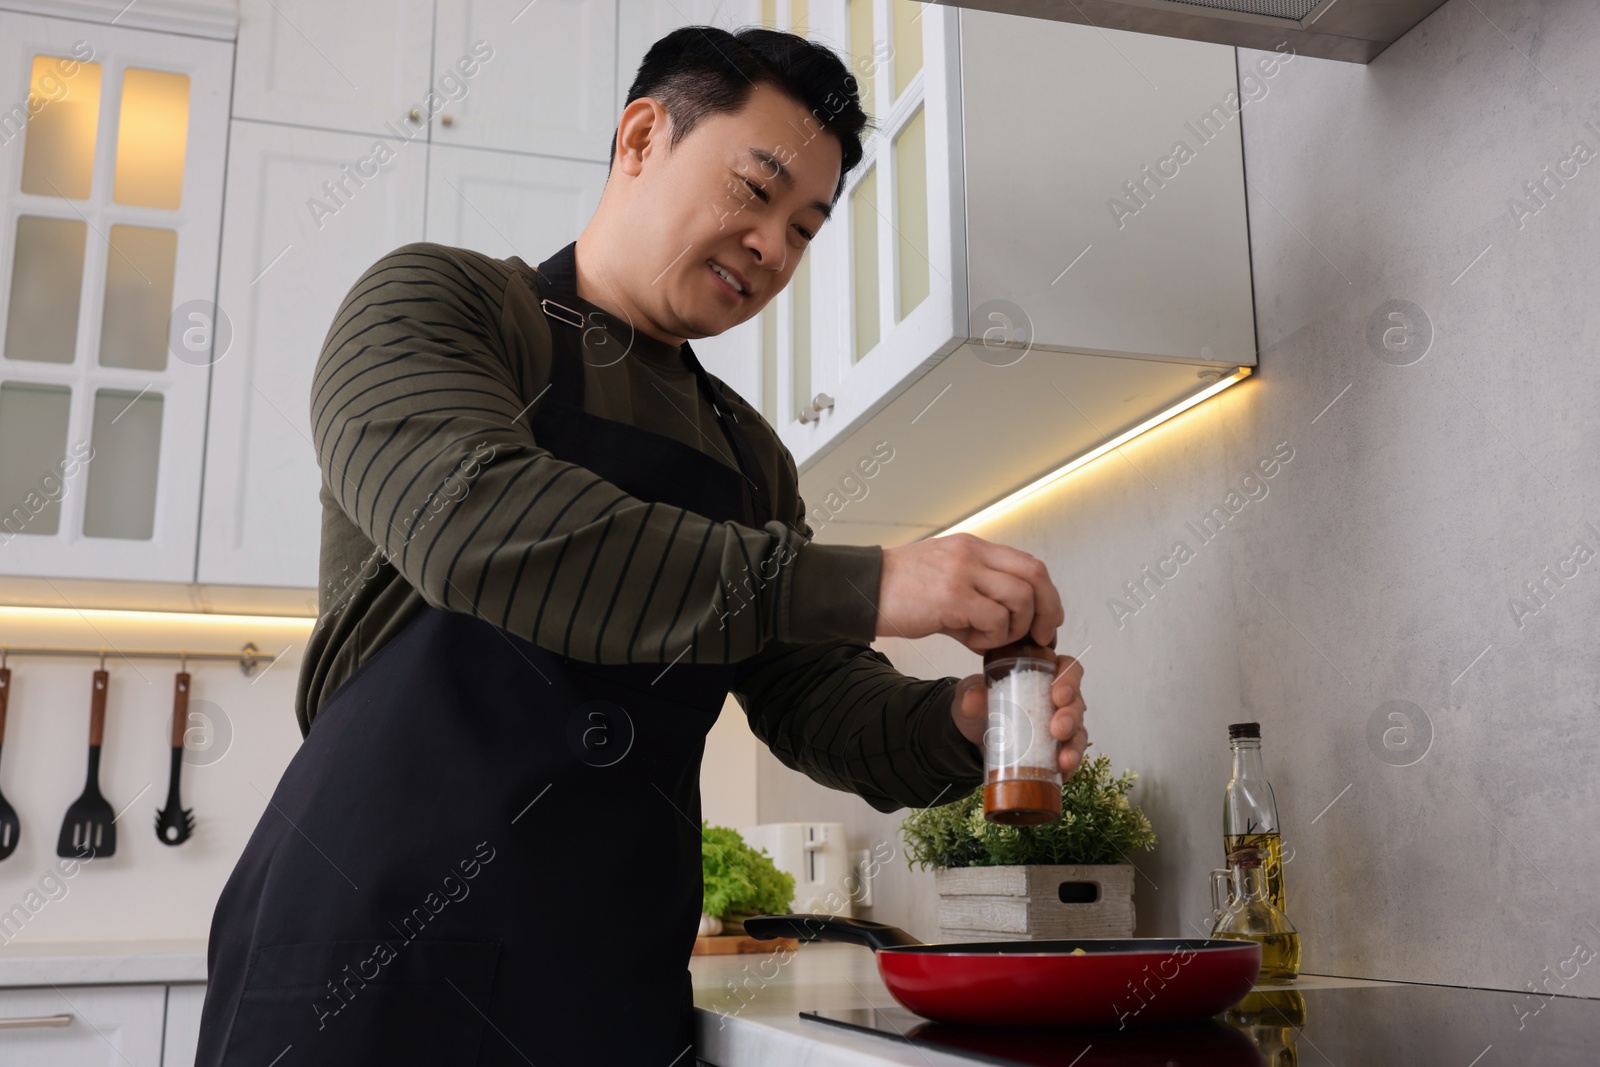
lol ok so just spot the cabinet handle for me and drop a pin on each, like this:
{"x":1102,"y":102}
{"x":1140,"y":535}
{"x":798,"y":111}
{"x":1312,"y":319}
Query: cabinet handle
{"x":447,"y":119}
{"x":26,"y":1021}
{"x":415,"y":115}
{"x":813,"y":411}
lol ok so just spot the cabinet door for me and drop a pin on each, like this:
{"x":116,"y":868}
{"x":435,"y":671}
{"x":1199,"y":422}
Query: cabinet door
{"x":352,"y":65}
{"x":301,"y":226}
{"x":110,"y":199}
{"x":887,"y":268}
{"x":1147,"y":188}
{"x":647,"y":21}
{"x":76,"y":1026}
{"x":507,"y":204}
{"x":526,"y":77}
{"x":182,"y":1039}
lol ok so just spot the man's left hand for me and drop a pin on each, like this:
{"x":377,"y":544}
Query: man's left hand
{"x":970,"y":707}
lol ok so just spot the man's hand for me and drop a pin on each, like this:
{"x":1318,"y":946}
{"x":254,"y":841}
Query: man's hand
{"x":981,"y":593}
{"x":970,"y":706}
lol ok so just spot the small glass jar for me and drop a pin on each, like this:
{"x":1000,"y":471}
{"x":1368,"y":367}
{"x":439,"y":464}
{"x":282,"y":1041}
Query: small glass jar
{"x":1022,"y":772}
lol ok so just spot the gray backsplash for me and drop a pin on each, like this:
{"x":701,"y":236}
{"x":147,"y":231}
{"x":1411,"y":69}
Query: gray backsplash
{"x":1386,"y":566}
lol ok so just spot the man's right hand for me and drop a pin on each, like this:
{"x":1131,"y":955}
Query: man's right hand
{"x":981,"y":593}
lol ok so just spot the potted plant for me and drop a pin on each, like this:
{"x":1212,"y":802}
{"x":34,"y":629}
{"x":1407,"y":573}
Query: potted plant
{"x":739,"y":881}
{"x":1070,"y":878}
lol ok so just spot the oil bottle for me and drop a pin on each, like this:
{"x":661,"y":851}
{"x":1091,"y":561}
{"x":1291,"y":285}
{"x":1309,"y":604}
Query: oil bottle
{"x":1248,"y":915}
{"x":1250,"y":812}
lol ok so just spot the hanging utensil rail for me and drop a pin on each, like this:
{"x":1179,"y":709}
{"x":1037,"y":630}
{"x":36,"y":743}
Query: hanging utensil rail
{"x":248,"y":658}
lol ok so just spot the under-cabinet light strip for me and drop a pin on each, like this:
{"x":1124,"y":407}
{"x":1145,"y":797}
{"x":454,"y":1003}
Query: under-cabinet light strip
{"x":41,"y":614}
{"x":1039,"y":485}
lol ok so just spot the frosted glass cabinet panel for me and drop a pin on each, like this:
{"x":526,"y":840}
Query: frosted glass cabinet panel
{"x":109,"y":214}
{"x":152,"y":136}
{"x":138,"y":297}
{"x":800,"y":332}
{"x":46,"y":282}
{"x":906,"y":42}
{"x":863,"y":222}
{"x":911,"y":213}
{"x":64,"y":99}
{"x":126,"y":438}
{"x":33,"y":436}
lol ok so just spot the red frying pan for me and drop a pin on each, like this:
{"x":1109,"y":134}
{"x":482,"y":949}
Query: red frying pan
{"x":1122,"y":983}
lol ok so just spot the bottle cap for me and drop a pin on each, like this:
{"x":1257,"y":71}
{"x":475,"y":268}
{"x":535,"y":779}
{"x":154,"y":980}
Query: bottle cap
{"x":1024,"y":646}
{"x":1244,"y":729}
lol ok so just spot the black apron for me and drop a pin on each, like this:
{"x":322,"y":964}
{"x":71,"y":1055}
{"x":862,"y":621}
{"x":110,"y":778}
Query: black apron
{"x":485,"y":852}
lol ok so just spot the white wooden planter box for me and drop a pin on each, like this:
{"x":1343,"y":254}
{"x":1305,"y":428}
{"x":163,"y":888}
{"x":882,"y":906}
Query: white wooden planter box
{"x":1034,"y":902}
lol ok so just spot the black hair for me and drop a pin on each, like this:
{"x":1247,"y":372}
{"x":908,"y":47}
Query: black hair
{"x":696,"y":71}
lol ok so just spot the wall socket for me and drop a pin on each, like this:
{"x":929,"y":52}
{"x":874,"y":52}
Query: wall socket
{"x":859,"y":884}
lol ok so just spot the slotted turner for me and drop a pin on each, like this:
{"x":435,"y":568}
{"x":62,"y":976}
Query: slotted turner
{"x":174,"y":823}
{"x":9,"y":827}
{"x":89,"y":830}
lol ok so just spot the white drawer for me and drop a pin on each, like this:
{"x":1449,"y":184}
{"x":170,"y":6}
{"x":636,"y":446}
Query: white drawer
{"x":80,"y":1026}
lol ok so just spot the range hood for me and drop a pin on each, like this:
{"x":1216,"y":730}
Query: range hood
{"x":1354,"y":31}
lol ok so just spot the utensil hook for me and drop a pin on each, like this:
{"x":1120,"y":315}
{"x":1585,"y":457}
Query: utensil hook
{"x":102,"y":659}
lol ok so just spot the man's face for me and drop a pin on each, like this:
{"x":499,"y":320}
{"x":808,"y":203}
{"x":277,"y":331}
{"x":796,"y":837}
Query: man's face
{"x":742,"y":193}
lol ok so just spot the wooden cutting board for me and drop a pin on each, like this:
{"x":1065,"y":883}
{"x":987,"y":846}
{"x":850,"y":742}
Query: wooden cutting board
{"x":725,"y":944}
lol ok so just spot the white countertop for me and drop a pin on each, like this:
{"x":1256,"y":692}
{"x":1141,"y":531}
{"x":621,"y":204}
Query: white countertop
{"x":748,"y":1005}
{"x":38,"y":963}
{"x":749,"y":1009}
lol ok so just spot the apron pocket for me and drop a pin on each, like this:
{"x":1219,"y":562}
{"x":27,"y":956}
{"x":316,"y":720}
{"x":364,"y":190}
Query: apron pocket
{"x":355,"y":1002}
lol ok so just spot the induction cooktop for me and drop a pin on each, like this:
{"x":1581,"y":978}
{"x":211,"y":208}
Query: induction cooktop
{"x":1367,"y":1026}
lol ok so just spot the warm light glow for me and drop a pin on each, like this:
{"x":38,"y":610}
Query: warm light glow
{"x":109,"y":615}
{"x":152,"y":138}
{"x":64,"y":109}
{"x":1039,"y":485}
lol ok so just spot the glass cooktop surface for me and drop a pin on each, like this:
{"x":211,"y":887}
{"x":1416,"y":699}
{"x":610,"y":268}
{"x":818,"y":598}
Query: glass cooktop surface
{"x":1367,"y":1026}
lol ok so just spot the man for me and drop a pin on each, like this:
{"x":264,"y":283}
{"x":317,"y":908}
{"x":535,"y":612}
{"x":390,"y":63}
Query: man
{"x":552,"y":544}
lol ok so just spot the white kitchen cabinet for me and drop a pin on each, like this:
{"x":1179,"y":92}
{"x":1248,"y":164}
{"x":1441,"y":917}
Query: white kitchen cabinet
{"x":298,"y":231}
{"x":110,"y":201}
{"x":81,"y":1026}
{"x":357,"y":65}
{"x":509,"y":204}
{"x":647,"y":21}
{"x":542,"y":78}
{"x":181,"y":1042}
{"x":980,"y":306}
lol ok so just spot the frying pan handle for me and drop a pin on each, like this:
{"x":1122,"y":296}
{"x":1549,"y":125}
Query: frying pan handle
{"x":811,"y":926}
{"x":180,"y":708}
{"x":97,"y":707}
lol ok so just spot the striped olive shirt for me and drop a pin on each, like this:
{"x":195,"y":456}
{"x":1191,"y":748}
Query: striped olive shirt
{"x":435,"y":491}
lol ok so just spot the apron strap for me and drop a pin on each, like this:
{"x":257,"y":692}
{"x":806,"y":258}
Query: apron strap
{"x":558,"y":289}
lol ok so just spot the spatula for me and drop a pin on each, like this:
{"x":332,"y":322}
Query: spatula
{"x":174,"y":823}
{"x":9,"y":828}
{"x":90,"y":829}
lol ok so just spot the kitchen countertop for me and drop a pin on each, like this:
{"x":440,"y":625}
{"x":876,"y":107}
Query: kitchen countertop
{"x":38,"y":963}
{"x":749,"y":1005}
